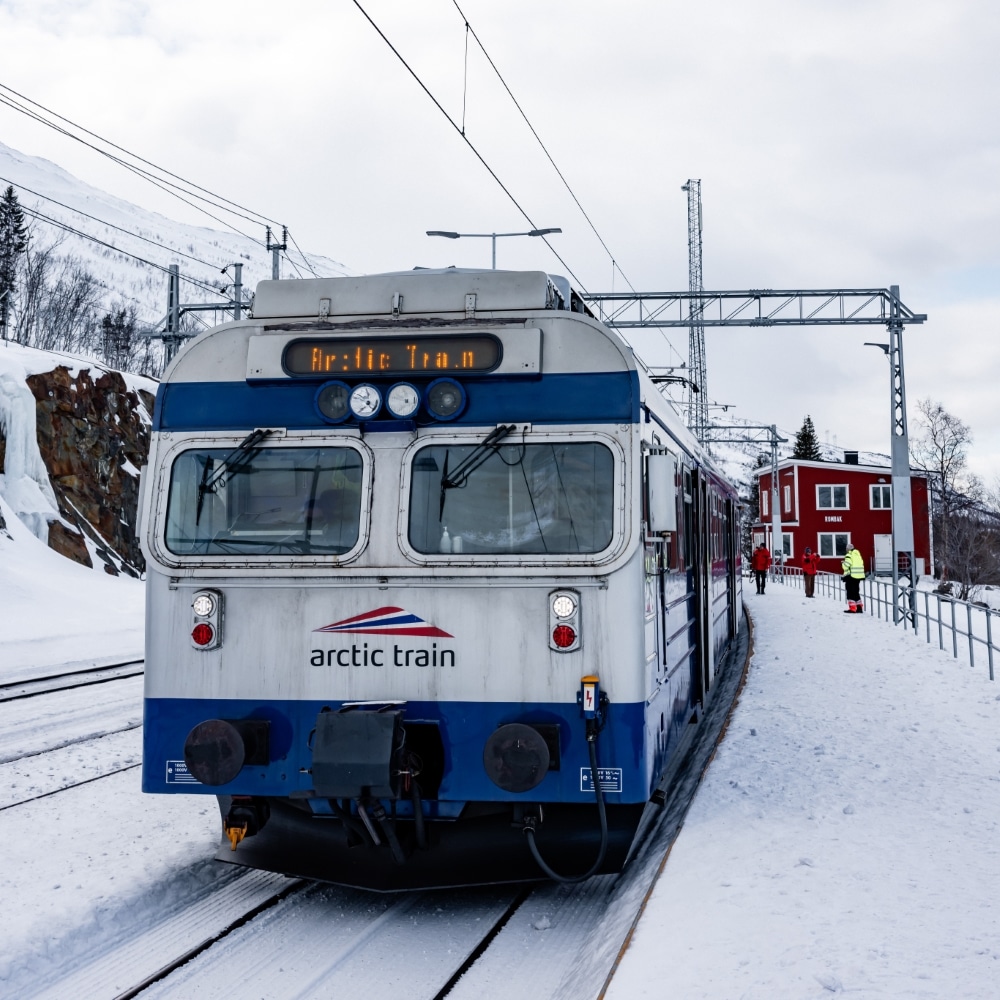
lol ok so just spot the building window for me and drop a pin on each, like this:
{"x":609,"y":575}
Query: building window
{"x":763,"y":503}
{"x":788,"y":499}
{"x":831,"y":498}
{"x":881,"y":498}
{"x":786,"y":545}
{"x":833,"y":545}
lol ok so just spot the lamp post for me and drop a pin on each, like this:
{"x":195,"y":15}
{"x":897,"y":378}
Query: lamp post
{"x":491,"y":236}
{"x":904,"y":577}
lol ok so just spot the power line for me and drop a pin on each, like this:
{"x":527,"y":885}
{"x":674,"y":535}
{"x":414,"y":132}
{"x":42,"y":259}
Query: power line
{"x":110,"y":225}
{"x":35,"y":214}
{"x":538,"y":138}
{"x":465,"y":139}
{"x":190,"y":184}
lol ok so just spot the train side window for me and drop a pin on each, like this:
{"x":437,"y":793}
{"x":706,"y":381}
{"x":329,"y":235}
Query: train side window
{"x":292,"y":500}
{"x":546,"y":498}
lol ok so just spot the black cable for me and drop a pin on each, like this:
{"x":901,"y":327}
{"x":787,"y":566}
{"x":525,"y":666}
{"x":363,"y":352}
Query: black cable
{"x":538,"y":138}
{"x":35,"y":214}
{"x":110,"y":225}
{"x":595,"y":867}
{"x":163,"y":185}
{"x":465,"y":139}
{"x":191,"y":184}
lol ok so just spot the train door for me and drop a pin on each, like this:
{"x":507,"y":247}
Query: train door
{"x":660,"y":493}
{"x":692,"y":563}
{"x":732,"y":543}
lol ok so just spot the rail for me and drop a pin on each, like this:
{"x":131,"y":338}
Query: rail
{"x":961,"y":626}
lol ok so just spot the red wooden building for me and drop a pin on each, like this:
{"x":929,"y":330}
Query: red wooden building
{"x":826,"y":505}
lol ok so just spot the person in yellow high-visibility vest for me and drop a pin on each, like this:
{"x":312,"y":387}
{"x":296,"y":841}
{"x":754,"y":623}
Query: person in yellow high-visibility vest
{"x":854,"y":572}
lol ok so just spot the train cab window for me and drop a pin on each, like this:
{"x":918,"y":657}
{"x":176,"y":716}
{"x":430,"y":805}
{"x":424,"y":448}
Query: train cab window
{"x":523,"y":498}
{"x":267,"y":501}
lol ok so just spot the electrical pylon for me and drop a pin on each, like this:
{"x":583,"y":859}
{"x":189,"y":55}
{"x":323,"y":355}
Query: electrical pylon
{"x":697,"y":409}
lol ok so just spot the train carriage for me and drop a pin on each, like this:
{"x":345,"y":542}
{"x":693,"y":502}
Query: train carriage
{"x":437,"y":581}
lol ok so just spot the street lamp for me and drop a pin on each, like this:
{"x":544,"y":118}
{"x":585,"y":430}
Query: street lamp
{"x":491,"y":236}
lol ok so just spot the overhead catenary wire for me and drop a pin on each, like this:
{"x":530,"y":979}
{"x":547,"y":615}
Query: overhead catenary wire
{"x":237,"y":209}
{"x":479,"y":156}
{"x":104,"y":222}
{"x":614,"y":263}
{"x":35,"y":214}
{"x":469,"y":29}
{"x":189,"y":188}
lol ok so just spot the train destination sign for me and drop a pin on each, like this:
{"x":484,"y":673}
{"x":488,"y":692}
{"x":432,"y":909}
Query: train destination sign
{"x":392,"y":355}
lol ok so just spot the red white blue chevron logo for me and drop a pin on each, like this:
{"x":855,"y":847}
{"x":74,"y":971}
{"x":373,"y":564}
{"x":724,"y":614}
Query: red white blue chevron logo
{"x":386,"y":621}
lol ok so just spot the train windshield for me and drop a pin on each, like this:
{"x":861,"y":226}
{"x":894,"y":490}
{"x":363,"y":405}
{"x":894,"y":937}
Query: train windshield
{"x":265,"y":501}
{"x":555,"y":499}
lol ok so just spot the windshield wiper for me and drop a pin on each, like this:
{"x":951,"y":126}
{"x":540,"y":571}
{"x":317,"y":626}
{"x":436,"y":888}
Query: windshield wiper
{"x":460,"y":474}
{"x":245,"y":450}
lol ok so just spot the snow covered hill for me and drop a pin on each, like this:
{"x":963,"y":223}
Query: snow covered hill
{"x":48,"y":190}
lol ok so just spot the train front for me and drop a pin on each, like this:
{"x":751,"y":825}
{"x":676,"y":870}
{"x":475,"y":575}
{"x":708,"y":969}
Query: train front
{"x":395,"y":588}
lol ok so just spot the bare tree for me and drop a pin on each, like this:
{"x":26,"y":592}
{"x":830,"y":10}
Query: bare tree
{"x":34,"y":273}
{"x":68,"y":314}
{"x":940,"y":448}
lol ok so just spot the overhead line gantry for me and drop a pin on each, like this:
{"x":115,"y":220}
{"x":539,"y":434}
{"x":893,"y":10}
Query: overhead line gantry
{"x":771,"y":308}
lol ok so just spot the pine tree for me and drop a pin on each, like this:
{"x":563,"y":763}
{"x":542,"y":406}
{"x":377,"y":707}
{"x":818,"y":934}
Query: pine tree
{"x":806,"y":442}
{"x":13,"y":243}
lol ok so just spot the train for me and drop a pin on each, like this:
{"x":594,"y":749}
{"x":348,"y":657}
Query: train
{"x":438,"y":582}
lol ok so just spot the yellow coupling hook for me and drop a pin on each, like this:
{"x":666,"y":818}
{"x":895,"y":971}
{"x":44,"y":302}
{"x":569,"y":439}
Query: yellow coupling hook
{"x":235,"y":832}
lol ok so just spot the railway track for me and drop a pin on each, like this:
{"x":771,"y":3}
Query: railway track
{"x":67,"y":680}
{"x":263,"y":935}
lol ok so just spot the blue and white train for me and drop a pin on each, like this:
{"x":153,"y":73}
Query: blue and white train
{"x":437,"y":581}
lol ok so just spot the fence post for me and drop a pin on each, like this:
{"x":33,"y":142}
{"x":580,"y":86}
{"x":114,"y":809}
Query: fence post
{"x":972,"y":645}
{"x":954,"y":630}
{"x":989,"y":638}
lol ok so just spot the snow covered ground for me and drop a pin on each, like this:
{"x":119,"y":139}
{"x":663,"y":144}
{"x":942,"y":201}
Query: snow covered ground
{"x":844,"y":838}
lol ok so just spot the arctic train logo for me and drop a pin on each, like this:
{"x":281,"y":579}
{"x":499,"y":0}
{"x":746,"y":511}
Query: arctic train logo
{"x":386,"y":621}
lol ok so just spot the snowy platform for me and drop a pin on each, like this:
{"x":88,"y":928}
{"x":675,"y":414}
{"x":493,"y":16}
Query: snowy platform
{"x":845,"y":836}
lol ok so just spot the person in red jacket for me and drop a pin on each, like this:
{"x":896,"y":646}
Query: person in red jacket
{"x":810,"y":561}
{"x":759,"y":563}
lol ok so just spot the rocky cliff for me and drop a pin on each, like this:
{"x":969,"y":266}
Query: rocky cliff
{"x":93,"y":437}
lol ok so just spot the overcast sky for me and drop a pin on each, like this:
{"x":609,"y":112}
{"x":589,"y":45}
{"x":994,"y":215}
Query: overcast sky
{"x":839,"y":144}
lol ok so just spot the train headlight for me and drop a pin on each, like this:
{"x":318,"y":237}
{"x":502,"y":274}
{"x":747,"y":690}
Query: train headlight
{"x":402,"y":400}
{"x":365,"y":401}
{"x":204,"y":605}
{"x":563,"y":606}
{"x":445,"y":399}
{"x":206,"y":628}
{"x":331,"y":401}
{"x":564,"y":621}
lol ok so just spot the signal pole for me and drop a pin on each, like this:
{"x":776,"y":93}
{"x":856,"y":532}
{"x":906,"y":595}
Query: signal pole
{"x":697,"y":392}
{"x":276,"y":249}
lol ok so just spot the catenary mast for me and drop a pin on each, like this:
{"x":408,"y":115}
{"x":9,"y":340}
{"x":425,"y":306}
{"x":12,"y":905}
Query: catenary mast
{"x":697,"y":412}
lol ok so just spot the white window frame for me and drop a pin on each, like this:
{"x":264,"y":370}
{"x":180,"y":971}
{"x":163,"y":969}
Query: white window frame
{"x":788,"y":499}
{"x":787,"y":544}
{"x":832,"y":505}
{"x":885,"y":490}
{"x":833,"y":535}
{"x":763,"y":502}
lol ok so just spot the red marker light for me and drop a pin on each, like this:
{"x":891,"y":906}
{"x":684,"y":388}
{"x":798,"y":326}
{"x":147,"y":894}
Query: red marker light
{"x":563,"y":636}
{"x":203,"y":634}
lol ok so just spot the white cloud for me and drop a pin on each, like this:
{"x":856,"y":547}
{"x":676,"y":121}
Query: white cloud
{"x":847,"y":144}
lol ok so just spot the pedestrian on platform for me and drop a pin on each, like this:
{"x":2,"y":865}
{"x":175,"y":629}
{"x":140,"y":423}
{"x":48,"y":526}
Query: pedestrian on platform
{"x":759,"y":563}
{"x":854,"y":572}
{"x":810,"y":562}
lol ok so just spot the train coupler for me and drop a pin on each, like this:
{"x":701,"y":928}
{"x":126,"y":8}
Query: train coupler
{"x":245,"y":818}
{"x":235,"y":832}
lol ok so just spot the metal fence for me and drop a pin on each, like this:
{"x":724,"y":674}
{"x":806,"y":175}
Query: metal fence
{"x":961,"y":627}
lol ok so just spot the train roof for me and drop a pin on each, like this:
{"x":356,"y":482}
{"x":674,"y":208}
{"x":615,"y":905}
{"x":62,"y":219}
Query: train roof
{"x":410,"y":292}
